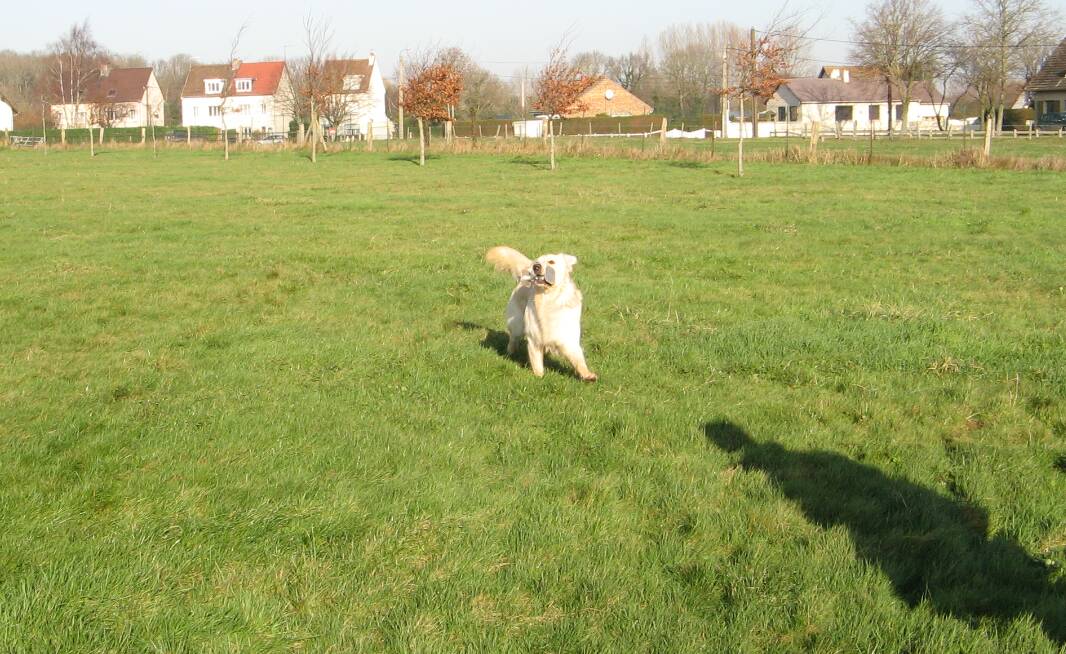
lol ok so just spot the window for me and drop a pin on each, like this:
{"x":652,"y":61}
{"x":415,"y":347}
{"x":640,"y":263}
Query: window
{"x":244,"y":85}
{"x":112,"y":93}
{"x":843,"y":112}
{"x":195,"y":112}
{"x":781,"y":113}
{"x":875,"y":112}
{"x":214,"y":111}
{"x":263,"y":108}
{"x":899,"y":112}
{"x":246,"y":109}
{"x":1051,"y":106}
{"x":793,"y":113}
{"x":212,"y":86}
{"x":353,"y":82}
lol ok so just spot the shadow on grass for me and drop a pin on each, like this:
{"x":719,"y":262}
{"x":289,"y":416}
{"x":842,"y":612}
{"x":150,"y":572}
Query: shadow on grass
{"x":1060,"y":463}
{"x":933,"y":549}
{"x":534,"y":162}
{"x":412,"y":158}
{"x":496,"y":341}
{"x":687,"y":164}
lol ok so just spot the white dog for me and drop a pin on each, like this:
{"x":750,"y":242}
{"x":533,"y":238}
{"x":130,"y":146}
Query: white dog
{"x":545,"y":308}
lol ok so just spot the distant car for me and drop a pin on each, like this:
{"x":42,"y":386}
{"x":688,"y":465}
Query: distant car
{"x":275,"y":137}
{"x":176,"y":135}
{"x":1053,"y":119}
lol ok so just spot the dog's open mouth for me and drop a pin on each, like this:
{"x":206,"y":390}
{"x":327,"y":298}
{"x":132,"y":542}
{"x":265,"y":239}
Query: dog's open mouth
{"x":542,"y":276}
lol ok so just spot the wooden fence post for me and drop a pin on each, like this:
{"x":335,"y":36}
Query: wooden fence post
{"x":370,"y":136}
{"x":662,"y":133}
{"x":144,"y":138}
{"x":188,"y":136}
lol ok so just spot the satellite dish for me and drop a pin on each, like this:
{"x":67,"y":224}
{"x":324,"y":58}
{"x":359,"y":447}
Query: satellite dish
{"x":609,"y":94}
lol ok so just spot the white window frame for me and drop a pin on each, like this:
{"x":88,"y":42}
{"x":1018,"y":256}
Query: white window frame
{"x":244,"y":85}
{"x":212,"y":86}
{"x":214,"y":110}
{"x":353,"y":82}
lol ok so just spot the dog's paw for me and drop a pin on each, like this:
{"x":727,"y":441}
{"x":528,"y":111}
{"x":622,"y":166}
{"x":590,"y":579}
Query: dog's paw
{"x":590,"y":377}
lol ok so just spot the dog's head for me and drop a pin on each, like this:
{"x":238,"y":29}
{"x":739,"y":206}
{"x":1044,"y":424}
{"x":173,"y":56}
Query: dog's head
{"x":552,"y":270}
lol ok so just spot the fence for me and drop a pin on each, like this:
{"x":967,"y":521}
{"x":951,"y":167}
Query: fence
{"x":839,"y":131}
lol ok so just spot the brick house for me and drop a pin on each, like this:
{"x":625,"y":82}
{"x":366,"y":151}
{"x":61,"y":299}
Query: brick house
{"x":608,"y":97}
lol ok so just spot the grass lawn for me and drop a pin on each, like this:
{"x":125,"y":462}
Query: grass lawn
{"x":261,"y":406}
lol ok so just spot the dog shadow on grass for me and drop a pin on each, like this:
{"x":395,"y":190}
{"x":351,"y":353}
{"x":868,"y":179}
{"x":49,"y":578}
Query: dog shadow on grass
{"x":497,"y":340}
{"x":932,"y":548}
{"x":412,"y":158}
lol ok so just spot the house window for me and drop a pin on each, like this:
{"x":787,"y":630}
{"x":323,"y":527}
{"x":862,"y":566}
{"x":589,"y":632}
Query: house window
{"x":899,"y":112}
{"x":793,"y":113}
{"x":212,"y":86}
{"x":111,"y":114}
{"x":353,"y":82}
{"x":843,"y":112}
{"x":875,"y":112}
{"x":244,"y":85}
{"x":1051,"y":106}
{"x":195,"y":112}
{"x":263,"y":108}
{"x":781,"y":113}
{"x":214,"y":111}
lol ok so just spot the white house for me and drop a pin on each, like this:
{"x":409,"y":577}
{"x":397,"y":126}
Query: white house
{"x":114,"y":97}
{"x":257,"y":100}
{"x":361,"y":98}
{"x":1048,"y":86}
{"x":840,"y":96}
{"x":7,"y":115}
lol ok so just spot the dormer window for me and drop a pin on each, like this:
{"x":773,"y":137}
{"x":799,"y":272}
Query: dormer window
{"x":244,"y":85}
{"x":212,"y":86}
{"x":353,"y":82}
{"x":112,"y":93}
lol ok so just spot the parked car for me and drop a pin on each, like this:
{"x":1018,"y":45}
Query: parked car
{"x":1053,"y":119}
{"x":272,"y":137}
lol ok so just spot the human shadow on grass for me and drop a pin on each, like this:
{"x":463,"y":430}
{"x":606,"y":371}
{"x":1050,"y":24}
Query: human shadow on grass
{"x":932,"y":548}
{"x":497,"y":340}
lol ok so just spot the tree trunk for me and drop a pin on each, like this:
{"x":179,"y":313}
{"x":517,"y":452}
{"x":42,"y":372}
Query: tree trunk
{"x":92,"y":147}
{"x":421,"y":144}
{"x":754,"y":119}
{"x":551,"y":144}
{"x":740,"y":143}
{"x":891,"y":116}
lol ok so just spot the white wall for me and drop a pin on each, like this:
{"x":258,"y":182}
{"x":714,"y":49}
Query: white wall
{"x":920,"y":115}
{"x":368,"y":106}
{"x":7,"y":116}
{"x":248,"y":113}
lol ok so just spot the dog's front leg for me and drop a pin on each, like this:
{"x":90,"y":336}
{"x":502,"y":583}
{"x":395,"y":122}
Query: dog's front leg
{"x":536,"y":357}
{"x":576,"y":357}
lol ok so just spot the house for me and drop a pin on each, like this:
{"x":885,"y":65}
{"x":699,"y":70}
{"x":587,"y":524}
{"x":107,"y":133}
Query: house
{"x":7,"y":115}
{"x":114,"y":97}
{"x":968,"y":104}
{"x":607,"y":97}
{"x":257,"y":97}
{"x":853,"y":101}
{"x":1048,"y":87}
{"x":359,"y":98}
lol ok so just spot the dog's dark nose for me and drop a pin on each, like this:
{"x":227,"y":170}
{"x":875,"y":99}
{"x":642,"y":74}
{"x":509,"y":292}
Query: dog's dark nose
{"x":537,"y":268}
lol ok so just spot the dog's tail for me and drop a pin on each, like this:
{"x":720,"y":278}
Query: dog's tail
{"x":508,"y":260}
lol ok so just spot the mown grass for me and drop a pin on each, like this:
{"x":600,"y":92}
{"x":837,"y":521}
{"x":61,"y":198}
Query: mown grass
{"x":261,"y":405}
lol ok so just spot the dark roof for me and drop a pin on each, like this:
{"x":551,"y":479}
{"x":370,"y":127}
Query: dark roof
{"x":1052,"y":75}
{"x":968,"y":102}
{"x":343,"y":67}
{"x":118,"y":85}
{"x":265,"y":76}
{"x":823,"y":89}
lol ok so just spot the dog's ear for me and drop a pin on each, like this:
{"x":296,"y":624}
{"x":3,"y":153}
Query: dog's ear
{"x":571,"y":260}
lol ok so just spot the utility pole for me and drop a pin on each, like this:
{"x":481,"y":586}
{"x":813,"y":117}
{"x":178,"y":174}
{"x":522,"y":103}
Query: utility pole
{"x":402,"y":130}
{"x":754,"y":112}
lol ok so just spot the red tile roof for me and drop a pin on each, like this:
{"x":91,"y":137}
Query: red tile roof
{"x":266,"y":77}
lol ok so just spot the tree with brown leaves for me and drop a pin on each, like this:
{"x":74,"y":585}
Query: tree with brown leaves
{"x":559,"y":87}
{"x":430,"y":93}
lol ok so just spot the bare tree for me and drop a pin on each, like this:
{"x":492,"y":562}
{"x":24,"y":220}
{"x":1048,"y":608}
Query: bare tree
{"x":75,"y":57}
{"x":171,"y":74}
{"x":632,"y":69}
{"x":228,"y":89}
{"x":483,"y":93}
{"x":558,"y":87}
{"x":690,"y":62}
{"x":592,"y":63}
{"x":903,"y":40}
{"x":1005,"y":38}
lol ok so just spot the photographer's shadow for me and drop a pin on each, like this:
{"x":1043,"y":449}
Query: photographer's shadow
{"x":932,"y":548}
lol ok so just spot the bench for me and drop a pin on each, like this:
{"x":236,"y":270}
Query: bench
{"x":26,"y":141}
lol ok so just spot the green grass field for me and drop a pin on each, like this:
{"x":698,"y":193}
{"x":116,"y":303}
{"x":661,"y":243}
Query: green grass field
{"x":261,"y":406}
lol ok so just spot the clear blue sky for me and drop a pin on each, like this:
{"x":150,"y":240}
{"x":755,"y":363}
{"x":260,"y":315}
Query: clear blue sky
{"x":507,"y":32}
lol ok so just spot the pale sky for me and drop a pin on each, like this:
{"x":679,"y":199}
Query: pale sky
{"x":502,"y":36}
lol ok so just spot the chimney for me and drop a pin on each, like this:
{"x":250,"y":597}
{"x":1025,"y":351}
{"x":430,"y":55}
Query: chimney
{"x":847,"y":76}
{"x":235,"y":65}
{"x":105,"y":70}
{"x":372,"y":58}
